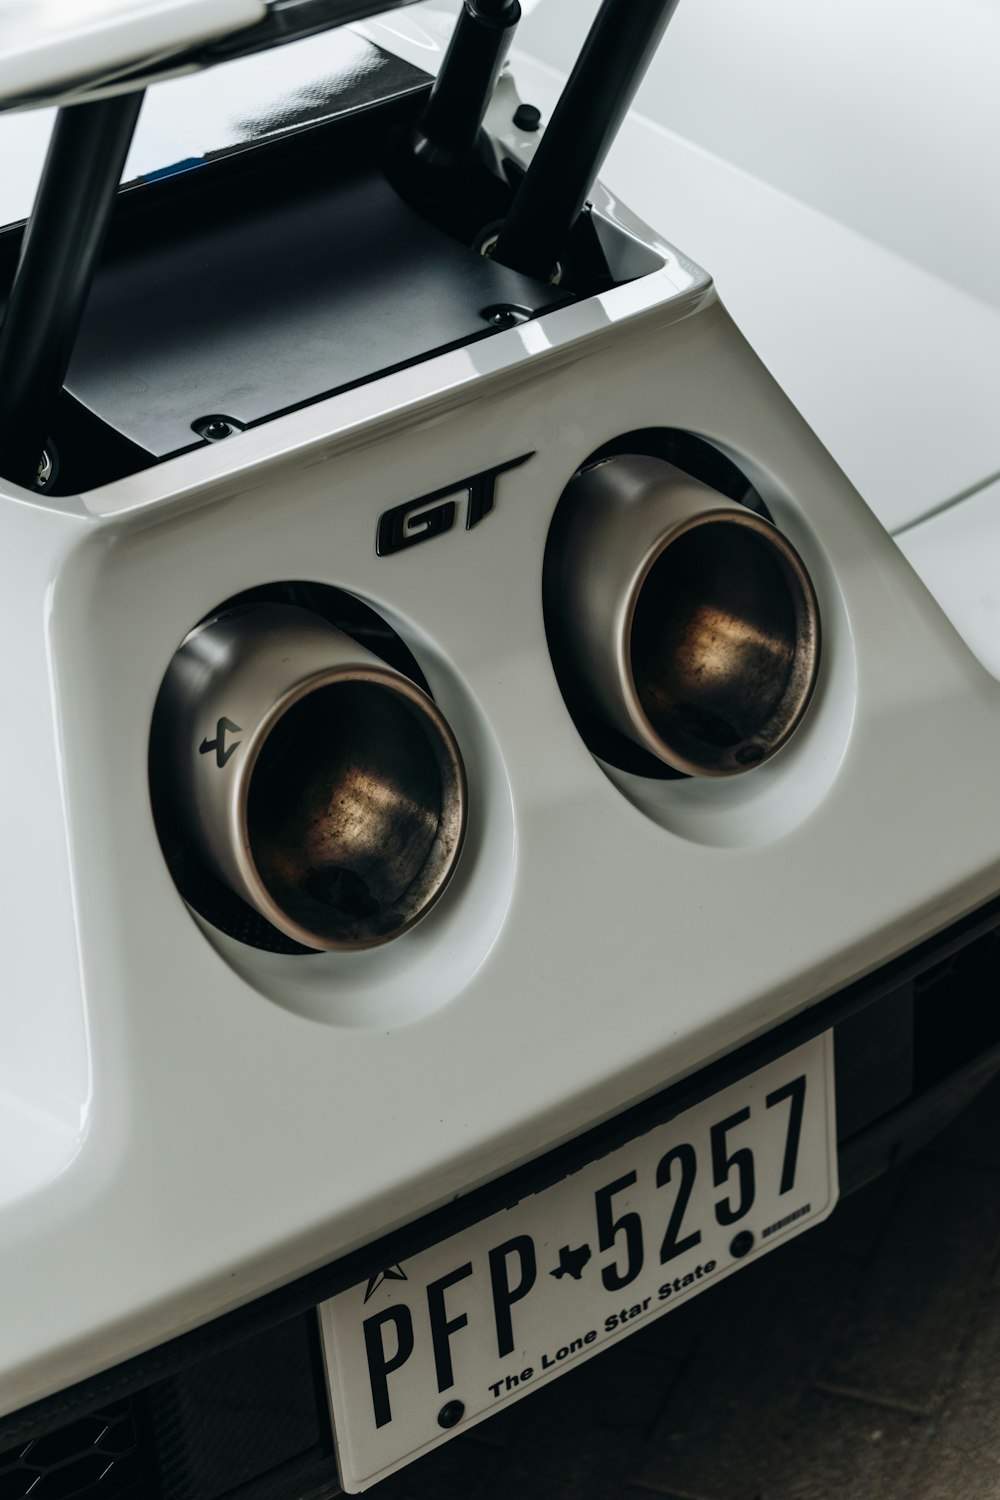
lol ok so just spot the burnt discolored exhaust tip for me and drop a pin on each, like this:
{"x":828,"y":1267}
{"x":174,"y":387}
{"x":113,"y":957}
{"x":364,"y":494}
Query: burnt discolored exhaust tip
{"x":679,"y":617}
{"x":322,"y":786}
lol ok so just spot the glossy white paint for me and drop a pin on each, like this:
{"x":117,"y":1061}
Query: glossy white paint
{"x":957,"y":554}
{"x":49,"y":45}
{"x":895,"y":369}
{"x":586,"y":955}
{"x":45,"y":1077}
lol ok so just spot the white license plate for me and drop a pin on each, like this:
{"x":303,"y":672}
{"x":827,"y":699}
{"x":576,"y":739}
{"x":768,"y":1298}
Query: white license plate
{"x":425,"y":1349}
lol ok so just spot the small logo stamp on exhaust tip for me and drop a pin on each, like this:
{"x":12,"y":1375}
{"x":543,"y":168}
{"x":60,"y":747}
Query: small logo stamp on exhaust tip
{"x":222,"y":752}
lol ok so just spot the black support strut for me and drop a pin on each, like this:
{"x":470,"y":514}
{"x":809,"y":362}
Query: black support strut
{"x":593,"y":104}
{"x":468,"y":74}
{"x":62,"y":245}
{"x":436,"y":162}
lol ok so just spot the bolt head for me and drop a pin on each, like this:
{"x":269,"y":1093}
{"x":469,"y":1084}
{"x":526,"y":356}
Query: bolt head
{"x":505,"y":315}
{"x":741,"y":1244}
{"x":451,"y":1414}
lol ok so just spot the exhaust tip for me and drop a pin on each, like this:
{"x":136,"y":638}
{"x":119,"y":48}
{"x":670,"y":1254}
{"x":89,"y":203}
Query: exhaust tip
{"x":355,"y":812}
{"x":334,"y":801}
{"x":682,"y":619}
{"x":723,"y":645}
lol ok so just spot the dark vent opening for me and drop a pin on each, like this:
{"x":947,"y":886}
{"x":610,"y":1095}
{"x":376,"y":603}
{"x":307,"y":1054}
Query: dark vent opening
{"x":957,"y":1009}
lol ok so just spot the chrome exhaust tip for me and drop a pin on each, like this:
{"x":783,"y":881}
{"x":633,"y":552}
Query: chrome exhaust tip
{"x":682,"y":619}
{"x":322,"y":786}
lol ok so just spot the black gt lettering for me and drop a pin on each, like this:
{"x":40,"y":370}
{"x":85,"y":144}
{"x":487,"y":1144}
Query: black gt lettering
{"x":432,"y":515}
{"x":504,"y":1294}
{"x":442,"y":1327}
{"x":416,"y":521}
{"x":379,"y":1366}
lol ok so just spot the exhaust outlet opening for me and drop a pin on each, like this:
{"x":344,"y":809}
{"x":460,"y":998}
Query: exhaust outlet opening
{"x":683,"y":626}
{"x":354,"y":813}
{"x":308,"y":793}
{"x":722,"y":645}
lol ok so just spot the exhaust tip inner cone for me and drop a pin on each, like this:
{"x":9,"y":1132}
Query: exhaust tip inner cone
{"x":723,"y":645}
{"x":355,"y":812}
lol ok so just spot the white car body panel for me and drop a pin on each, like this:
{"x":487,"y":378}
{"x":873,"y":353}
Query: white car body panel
{"x":47,"y":46}
{"x":201,"y":1122}
{"x":957,"y":554}
{"x":366,"y":1088}
{"x":896,"y":369}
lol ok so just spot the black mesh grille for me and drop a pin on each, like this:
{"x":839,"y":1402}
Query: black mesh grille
{"x":94,"y":1458}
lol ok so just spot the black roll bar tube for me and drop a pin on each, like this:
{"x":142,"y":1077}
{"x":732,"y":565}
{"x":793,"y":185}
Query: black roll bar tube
{"x":464,"y":86}
{"x":602,"y":85}
{"x":62,"y":245}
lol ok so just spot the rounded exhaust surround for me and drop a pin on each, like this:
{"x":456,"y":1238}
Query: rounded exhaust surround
{"x":315,"y":782}
{"x":678,"y":619}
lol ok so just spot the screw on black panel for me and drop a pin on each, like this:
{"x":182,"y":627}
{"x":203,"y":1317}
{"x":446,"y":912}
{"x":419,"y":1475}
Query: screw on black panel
{"x":527,"y":117}
{"x":451,"y":1414}
{"x":741,"y":1244}
{"x":505,"y":314}
{"x":216,"y":427}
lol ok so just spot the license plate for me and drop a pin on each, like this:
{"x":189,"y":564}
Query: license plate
{"x":423,"y":1350}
